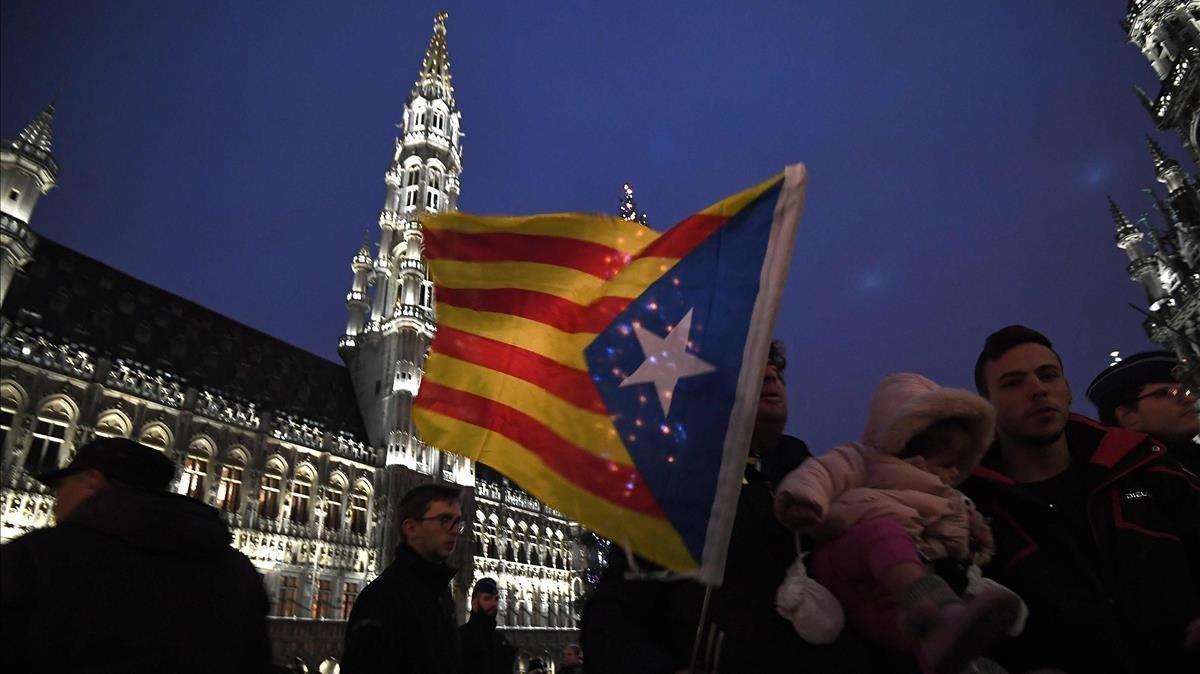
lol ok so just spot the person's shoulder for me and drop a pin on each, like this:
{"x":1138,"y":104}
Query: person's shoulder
{"x":785,"y":457}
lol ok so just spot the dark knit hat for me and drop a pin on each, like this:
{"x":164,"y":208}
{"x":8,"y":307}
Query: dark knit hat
{"x":1114,"y":385}
{"x":485,"y":586}
{"x":120,"y":460}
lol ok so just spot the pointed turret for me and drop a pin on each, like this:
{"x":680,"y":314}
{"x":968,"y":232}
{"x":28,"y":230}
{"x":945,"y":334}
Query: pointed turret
{"x":1162,"y":163}
{"x":1127,"y":234}
{"x":1143,"y":267}
{"x":40,"y":132}
{"x":31,"y":151}
{"x":434,"y":78}
{"x":27,"y":171}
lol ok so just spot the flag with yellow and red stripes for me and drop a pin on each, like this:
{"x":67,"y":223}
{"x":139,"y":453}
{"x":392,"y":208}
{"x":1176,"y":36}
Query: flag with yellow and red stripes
{"x":611,"y":371}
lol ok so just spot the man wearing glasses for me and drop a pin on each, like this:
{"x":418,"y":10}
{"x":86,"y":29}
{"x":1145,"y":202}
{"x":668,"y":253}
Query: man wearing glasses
{"x":404,"y":619}
{"x":1142,"y":394}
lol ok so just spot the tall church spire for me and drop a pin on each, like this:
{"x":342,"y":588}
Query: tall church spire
{"x":40,"y":132}
{"x":391,"y":303}
{"x":434,"y":78}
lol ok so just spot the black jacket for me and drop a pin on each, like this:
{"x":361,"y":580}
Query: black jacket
{"x":650,"y":626}
{"x":484,"y":649}
{"x":403,"y":621}
{"x":1120,"y":601}
{"x":132,"y":581}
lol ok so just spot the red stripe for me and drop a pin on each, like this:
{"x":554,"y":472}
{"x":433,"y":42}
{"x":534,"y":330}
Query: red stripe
{"x":536,"y":306}
{"x":681,"y":239}
{"x":585,"y":256}
{"x":613,"y":482}
{"x":573,"y":386}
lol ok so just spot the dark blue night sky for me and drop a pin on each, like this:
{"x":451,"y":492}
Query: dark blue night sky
{"x":233,"y":152}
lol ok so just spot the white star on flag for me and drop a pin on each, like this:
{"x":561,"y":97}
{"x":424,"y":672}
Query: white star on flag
{"x":667,"y":361}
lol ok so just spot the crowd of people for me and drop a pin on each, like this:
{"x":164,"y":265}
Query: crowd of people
{"x":992,"y":531}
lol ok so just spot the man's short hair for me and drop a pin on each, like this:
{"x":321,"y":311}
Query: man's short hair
{"x":574,"y":648}
{"x":485,"y":586}
{"x":415,"y":503}
{"x":1001,"y":342}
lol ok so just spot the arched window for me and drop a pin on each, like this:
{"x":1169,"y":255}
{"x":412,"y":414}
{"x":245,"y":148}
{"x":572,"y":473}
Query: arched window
{"x":12,"y":399}
{"x":195,"y":468}
{"x":268,"y":492}
{"x":114,"y":424}
{"x":335,"y":493}
{"x":229,"y":485}
{"x":302,"y":495}
{"x":360,"y":503}
{"x":156,"y":435}
{"x":49,"y":433}
{"x":412,"y":176}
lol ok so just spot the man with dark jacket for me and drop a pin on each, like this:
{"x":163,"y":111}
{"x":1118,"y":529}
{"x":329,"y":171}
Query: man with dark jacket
{"x":650,"y":626}
{"x":483,"y":648}
{"x":130,"y":577}
{"x":403,"y":621}
{"x":1097,"y":529}
{"x":1142,"y":393}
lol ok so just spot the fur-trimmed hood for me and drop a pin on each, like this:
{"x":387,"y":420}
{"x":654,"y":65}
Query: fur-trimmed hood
{"x":905,"y":404}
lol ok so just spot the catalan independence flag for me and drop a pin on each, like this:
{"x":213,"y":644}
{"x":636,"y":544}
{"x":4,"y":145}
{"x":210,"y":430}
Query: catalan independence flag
{"x":611,"y":371}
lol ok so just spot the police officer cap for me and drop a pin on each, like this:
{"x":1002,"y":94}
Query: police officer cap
{"x":1114,"y":383}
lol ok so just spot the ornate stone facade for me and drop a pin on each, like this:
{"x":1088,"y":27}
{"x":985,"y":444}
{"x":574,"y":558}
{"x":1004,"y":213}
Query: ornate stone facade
{"x":1165,"y":258}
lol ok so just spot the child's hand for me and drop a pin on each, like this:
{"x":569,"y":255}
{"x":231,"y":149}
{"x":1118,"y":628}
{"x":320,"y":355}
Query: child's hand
{"x":982,"y":542}
{"x":797,"y":512}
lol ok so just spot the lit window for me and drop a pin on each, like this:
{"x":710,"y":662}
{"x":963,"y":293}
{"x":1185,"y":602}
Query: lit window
{"x":192,"y":482}
{"x":413,"y":176}
{"x":229,"y":488}
{"x":333,"y":507}
{"x":358,"y":511}
{"x":322,"y":608}
{"x":301,"y":498}
{"x":268,"y":494}
{"x":349,"y":594}
{"x":8,"y":415}
{"x":286,"y":604}
{"x":48,"y":436}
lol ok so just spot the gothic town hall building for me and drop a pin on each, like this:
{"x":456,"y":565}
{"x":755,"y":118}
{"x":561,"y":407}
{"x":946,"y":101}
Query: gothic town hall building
{"x":303,"y":457}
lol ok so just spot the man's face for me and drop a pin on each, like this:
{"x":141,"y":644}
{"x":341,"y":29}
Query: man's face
{"x":485,"y":603}
{"x":74,"y":489}
{"x":1030,"y":393}
{"x":434,"y":535}
{"x":570,"y":656}
{"x":772,"y":407}
{"x":1170,"y":418}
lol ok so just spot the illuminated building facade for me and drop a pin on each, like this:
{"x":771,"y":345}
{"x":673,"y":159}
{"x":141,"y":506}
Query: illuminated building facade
{"x":305,"y":458}
{"x":1165,"y":260}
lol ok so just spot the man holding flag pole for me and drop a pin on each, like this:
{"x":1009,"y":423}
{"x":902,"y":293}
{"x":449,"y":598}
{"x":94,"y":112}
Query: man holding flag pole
{"x":612,"y":372}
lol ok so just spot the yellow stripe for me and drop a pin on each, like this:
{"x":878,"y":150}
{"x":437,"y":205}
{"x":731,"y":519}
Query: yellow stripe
{"x":557,"y":345}
{"x":587,"y":430}
{"x":650,"y":537}
{"x":638,"y":275}
{"x":563,"y":282}
{"x":735,"y":203}
{"x":623,"y":235}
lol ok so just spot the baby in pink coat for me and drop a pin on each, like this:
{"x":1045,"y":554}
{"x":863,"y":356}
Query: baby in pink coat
{"x":886,"y":510}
